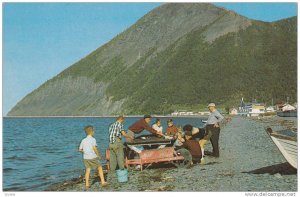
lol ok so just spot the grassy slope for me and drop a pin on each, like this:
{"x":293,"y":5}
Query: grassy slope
{"x":259,"y":62}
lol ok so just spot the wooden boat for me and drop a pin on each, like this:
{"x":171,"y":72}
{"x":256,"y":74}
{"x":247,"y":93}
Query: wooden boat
{"x":286,"y":142}
{"x":290,"y":113}
{"x":153,"y":150}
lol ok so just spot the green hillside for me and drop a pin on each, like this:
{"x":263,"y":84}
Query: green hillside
{"x":250,"y":59}
{"x":259,"y":62}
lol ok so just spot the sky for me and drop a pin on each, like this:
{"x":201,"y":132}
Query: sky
{"x":42,"y":39}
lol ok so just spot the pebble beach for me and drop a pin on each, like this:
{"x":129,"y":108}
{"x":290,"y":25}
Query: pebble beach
{"x":249,"y":161}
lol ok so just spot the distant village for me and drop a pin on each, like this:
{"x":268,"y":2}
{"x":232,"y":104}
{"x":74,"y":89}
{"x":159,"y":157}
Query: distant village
{"x":250,"y":110}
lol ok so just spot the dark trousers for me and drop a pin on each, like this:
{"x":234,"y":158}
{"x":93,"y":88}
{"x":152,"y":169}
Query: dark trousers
{"x":214,"y":139}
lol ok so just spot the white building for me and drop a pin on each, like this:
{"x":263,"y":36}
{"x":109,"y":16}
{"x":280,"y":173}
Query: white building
{"x":244,"y":110}
{"x":288,"y":107}
{"x":233,"y":111}
{"x":270,"y":109}
{"x":204,"y":113}
{"x":174,"y":113}
{"x":189,"y":113}
{"x":253,"y":109}
{"x":257,"y":109}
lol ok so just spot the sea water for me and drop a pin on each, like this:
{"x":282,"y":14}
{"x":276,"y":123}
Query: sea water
{"x":39,"y":152}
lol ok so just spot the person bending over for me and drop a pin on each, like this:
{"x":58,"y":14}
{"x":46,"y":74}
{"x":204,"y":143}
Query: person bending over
{"x":140,"y":126}
{"x":192,"y":146}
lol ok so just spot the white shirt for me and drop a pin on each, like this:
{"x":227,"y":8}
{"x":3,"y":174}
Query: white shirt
{"x":214,"y":117}
{"x":157,"y":128}
{"x":87,"y":146}
{"x":178,"y":143}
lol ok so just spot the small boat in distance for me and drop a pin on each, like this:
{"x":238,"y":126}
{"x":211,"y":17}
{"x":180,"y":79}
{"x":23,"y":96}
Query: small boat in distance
{"x":290,"y":113}
{"x":286,"y":142}
{"x":287,"y":110}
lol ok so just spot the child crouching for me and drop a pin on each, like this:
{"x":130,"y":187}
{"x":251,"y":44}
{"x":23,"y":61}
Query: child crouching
{"x":88,"y":147}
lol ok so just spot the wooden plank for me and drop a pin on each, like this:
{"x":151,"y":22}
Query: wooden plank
{"x":288,"y":144}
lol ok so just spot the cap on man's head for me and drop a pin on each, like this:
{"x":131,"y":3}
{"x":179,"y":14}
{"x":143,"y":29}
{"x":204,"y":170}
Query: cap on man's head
{"x":211,"y":105}
{"x":147,"y":116}
{"x":170,"y":120}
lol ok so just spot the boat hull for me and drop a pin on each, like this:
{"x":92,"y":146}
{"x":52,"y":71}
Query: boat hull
{"x":288,"y":146}
{"x":292,"y":113}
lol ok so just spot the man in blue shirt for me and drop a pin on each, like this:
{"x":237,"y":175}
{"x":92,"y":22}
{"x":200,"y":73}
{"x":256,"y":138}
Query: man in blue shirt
{"x":212,"y":130}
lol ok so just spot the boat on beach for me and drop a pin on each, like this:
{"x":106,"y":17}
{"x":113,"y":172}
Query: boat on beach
{"x":286,"y":142}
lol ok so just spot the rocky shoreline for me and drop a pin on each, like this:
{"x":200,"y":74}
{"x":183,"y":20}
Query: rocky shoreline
{"x":249,"y":161}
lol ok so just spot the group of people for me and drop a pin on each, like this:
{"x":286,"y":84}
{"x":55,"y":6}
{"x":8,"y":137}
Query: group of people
{"x":202,"y":135}
{"x":171,"y":130}
{"x":192,"y":139}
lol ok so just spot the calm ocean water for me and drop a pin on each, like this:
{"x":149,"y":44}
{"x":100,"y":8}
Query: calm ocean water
{"x":38,"y":152}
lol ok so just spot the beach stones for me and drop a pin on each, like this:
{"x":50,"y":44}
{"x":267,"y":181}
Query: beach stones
{"x":248,"y":162}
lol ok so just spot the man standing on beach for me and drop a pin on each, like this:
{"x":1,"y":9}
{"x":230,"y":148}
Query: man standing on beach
{"x":116,"y":130}
{"x":142,"y":125}
{"x":212,"y":130}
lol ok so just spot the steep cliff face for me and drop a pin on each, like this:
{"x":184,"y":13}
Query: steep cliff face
{"x":53,"y":99}
{"x":177,"y":54}
{"x":164,"y":25}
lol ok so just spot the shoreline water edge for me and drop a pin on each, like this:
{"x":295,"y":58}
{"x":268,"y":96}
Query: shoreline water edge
{"x":38,"y":152}
{"x":249,"y":161}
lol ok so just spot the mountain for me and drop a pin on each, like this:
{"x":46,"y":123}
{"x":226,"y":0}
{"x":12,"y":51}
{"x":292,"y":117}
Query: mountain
{"x":179,"y":55}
